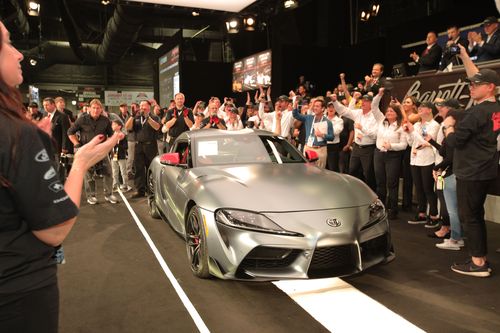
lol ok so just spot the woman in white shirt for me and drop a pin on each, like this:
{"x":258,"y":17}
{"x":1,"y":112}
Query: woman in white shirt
{"x":391,"y":142}
{"x":333,"y":147}
{"x":422,"y":162}
{"x":233,"y":122}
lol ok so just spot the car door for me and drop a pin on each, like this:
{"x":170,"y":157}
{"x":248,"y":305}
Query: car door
{"x":174,"y":179}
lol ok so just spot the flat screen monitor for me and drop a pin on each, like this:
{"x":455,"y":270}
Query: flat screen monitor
{"x":168,"y":74}
{"x":251,"y":72}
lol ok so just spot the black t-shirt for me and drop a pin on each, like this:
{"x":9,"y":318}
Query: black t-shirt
{"x":35,"y":200}
{"x":179,"y":126}
{"x":344,"y":135}
{"x":143,"y":130}
{"x":89,"y":128}
{"x":475,"y":143}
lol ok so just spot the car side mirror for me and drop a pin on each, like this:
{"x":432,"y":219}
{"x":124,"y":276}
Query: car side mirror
{"x":311,"y":156}
{"x":170,"y":159}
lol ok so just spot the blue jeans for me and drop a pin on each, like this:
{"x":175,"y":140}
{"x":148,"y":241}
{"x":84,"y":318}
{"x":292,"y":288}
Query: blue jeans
{"x":450,"y":197}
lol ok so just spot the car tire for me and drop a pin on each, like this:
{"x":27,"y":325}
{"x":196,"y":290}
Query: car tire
{"x":153,"y":208}
{"x":196,"y":244}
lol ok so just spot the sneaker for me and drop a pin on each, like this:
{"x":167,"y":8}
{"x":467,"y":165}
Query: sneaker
{"x":92,"y":200}
{"x":111,"y":198}
{"x":471,"y":269}
{"x":418,"y":220}
{"x":450,"y":244}
{"x":432,"y":223}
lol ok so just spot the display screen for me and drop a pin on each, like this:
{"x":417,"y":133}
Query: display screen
{"x":168,"y":67}
{"x":251,"y":72}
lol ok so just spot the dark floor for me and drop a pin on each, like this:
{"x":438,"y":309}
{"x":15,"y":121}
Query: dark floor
{"x":113,"y":283}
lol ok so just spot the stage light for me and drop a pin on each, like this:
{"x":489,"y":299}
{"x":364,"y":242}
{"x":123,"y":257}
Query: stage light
{"x":105,"y":2}
{"x":375,"y":9}
{"x":33,"y":62}
{"x":33,"y":8}
{"x":195,"y":13}
{"x":290,"y":4}
{"x":249,"y":23}
{"x":232,"y":26}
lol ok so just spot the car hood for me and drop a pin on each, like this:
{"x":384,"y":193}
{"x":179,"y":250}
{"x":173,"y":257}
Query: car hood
{"x":278,"y":188}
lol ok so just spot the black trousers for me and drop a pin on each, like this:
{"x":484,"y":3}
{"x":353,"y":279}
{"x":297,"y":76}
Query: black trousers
{"x":362,"y":160}
{"x":443,"y":211}
{"x":344,"y":158}
{"x":424,"y":184}
{"x":407,"y":179}
{"x":36,"y":311}
{"x":332,"y":158}
{"x":387,"y":166}
{"x":145,"y":152}
{"x":471,"y":195}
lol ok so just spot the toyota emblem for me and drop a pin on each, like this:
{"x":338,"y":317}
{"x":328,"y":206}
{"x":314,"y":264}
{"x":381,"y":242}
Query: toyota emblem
{"x":334,"y":223}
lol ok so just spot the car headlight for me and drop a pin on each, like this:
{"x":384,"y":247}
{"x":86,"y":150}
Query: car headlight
{"x":250,"y":221}
{"x":377,"y":213}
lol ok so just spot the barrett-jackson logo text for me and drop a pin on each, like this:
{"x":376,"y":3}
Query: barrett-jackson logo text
{"x":444,"y":91}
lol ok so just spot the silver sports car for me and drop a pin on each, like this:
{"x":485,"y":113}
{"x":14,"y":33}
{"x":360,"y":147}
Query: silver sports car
{"x":251,"y":206}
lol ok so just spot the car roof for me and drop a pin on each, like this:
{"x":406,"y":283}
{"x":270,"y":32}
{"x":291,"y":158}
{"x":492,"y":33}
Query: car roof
{"x":209,"y":132}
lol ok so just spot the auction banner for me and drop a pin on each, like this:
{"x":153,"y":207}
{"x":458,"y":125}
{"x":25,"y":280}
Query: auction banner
{"x":115,"y":98}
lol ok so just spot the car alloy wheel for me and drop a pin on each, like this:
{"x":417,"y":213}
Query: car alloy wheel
{"x":196,"y":244}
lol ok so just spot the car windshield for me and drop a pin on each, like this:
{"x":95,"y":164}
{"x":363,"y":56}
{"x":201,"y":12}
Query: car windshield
{"x":244,"y":149}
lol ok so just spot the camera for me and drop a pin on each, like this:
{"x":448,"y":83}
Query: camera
{"x":453,"y":49}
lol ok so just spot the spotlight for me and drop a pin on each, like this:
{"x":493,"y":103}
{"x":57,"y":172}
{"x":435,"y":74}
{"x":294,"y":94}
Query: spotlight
{"x":249,"y":23}
{"x":33,"y":8}
{"x":105,"y":2}
{"x":375,"y":9}
{"x":195,"y":13}
{"x":73,"y":102}
{"x":290,"y":4}
{"x":232,"y":26}
{"x":33,"y":62}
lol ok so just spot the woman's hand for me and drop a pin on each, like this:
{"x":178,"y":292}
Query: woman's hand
{"x":94,"y":151}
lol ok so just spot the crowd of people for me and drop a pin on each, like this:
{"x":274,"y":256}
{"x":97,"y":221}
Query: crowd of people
{"x":449,"y":155}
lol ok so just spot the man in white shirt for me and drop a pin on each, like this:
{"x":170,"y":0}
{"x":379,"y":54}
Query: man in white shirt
{"x":365,"y":135}
{"x":286,"y":116}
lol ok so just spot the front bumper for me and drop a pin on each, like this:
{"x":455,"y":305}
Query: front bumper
{"x":324,"y":251}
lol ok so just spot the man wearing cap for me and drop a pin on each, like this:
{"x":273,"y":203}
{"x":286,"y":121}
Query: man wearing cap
{"x":475,"y":162}
{"x":365,"y":134}
{"x":286,"y":117}
{"x":485,"y":47}
{"x":35,"y":113}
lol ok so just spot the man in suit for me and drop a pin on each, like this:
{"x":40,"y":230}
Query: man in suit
{"x":375,"y":81}
{"x":485,"y":47}
{"x":450,"y":53}
{"x":430,"y":57}
{"x":60,"y":126}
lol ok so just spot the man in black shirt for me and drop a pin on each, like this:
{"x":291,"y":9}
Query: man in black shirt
{"x":178,"y":119}
{"x":89,"y":126}
{"x":475,"y":162}
{"x":145,"y":126}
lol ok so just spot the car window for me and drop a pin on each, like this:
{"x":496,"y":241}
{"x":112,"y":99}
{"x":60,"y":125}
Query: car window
{"x":245,"y":149}
{"x":182,"y":147}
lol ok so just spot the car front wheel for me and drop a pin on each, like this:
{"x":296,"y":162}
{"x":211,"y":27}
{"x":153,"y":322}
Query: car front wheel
{"x":196,"y":244}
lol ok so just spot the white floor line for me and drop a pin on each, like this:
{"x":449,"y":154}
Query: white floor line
{"x":341,"y":308}
{"x":178,"y":289}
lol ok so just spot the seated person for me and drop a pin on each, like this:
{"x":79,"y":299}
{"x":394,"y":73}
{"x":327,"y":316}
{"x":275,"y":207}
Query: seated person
{"x":485,"y":47}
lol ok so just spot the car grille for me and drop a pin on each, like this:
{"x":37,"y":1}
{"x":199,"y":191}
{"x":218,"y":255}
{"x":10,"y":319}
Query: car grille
{"x":375,"y":248}
{"x":332,"y":261}
{"x":268,"y":258}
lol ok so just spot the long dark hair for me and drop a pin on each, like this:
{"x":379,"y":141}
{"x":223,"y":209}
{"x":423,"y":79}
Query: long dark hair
{"x":399,"y":114}
{"x":12,"y":110}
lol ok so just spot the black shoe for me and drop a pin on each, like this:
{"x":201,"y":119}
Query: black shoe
{"x":418,"y":220}
{"x":138,"y":195}
{"x":431,"y":224}
{"x":471,"y":269}
{"x":433,"y":235}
